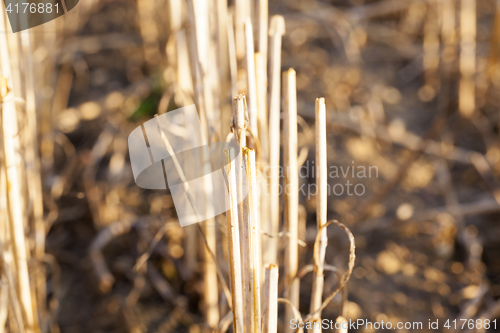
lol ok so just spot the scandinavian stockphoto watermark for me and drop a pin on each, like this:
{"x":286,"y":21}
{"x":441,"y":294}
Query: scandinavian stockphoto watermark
{"x":479,"y":324}
{"x":170,"y":152}
{"x":359,"y":324}
{"x":348,"y":179}
{"x":25,"y":14}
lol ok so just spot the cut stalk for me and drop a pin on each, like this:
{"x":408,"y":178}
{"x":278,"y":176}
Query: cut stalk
{"x":205,"y":96}
{"x":291,"y":193}
{"x":270,"y":311}
{"x":251,"y":80}
{"x":252,"y":255}
{"x":431,"y":47}
{"x":233,"y":236}
{"x":222,"y":21}
{"x":277,"y":29}
{"x":262,"y":26}
{"x":261,"y":72}
{"x":495,"y":44}
{"x":261,"y":79}
{"x":240,"y":123}
{"x":33,"y":173}
{"x":321,"y":209}
{"x":233,"y":62}
{"x":448,"y":32}
{"x":342,"y":327}
{"x":183,"y":66}
{"x":211,"y":296}
{"x":11,"y":159}
{"x":175,"y":15}
{"x":240,"y":119}
{"x":261,"y":75}
{"x":242,"y":13}
{"x":213,"y":73}
{"x":202,"y":43}
{"x":223,"y":65}
{"x":149,"y":30}
{"x":12,"y":163}
{"x":467,"y":57}
{"x":247,"y":252}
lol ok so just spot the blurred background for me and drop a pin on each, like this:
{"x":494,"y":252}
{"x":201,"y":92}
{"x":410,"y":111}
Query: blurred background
{"x":412,"y":94}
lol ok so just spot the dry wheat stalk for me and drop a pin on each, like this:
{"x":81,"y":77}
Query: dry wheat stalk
{"x":343,"y":324}
{"x":240,"y":119}
{"x":270,"y":308}
{"x":214,"y":130}
{"x":495,"y":45}
{"x":240,"y":124}
{"x":149,"y":30}
{"x":33,"y":172}
{"x":291,"y":192}
{"x":262,"y":120}
{"x":12,"y":164}
{"x":261,"y":74}
{"x":183,"y":67}
{"x":211,"y":296}
{"x":467,"y":94}
{"x":10,"y":297}
{"x":262,"y":28}
{"x":247,"y":248}
{"x":213,"y":73}
{"x":205,"y":102}
{"x":15,"y":210}
{"x":261,"y":15}
{"x":431,"y":47}
{"x":175,"y":15}
{"x":251,"y":79}
{"x":233,"y":62}
{"x":276,"y":31}
{"x":184,"y":93}
{"x":202,"y":41}
{"x":45,"y":77}
{"x":242,"y":13}
{"x":253,"y":227}
{"x":448,"y":33}
{"x":222,"y":21}
{"x":321,"y":207}
{"x":233,"y":236}
{"x":223,"y":66}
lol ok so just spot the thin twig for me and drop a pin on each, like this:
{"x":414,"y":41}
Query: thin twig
{"x":350,"y":265}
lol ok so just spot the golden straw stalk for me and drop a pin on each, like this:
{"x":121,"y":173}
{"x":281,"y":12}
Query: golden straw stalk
{"x":233,"y":236}
{"x":276,"y":31}
{"x":321,"y":208}
{"x":253,"y":234}
{"x":251,"y":80}
{"x":291,"y":193}
{"x":467,"y":94}
{"x":270,"y":311}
